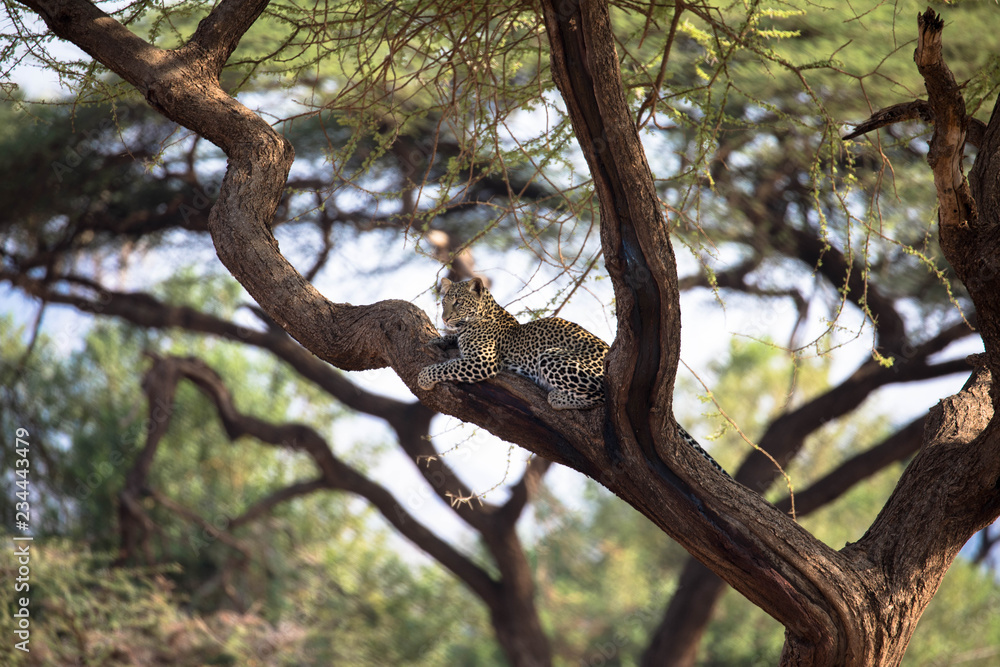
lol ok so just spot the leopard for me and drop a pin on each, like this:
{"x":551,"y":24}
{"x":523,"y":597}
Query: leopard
{"x":556,"y":354}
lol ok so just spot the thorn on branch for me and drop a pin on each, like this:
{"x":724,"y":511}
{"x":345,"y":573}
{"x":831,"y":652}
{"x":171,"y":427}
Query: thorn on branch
{"x":459,"y":500}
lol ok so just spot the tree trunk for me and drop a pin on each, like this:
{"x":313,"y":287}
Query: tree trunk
{"x":676,"y":639}
{"x":513,"y":611}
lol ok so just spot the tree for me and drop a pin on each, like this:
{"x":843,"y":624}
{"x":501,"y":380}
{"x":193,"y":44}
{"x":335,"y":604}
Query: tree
{"x":837,"y":608}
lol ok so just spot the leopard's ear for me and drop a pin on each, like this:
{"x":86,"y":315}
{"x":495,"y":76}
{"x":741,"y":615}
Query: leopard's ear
{"x":445,"y":284}
{"x":477,"y":286}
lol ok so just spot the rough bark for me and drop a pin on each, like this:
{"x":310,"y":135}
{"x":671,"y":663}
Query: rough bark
{"x":855,"y":607}
{"x":677,"y":638}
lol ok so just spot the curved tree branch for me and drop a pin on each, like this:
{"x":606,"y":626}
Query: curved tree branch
{"x":897,"y":113}
{"x":160,"y":384}
{"x":510,"y":598}
{"x":265,"y":505}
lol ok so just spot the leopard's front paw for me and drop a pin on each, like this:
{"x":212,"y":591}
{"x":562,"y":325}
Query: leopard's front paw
{"x":444,"y":342}
{"x":426,"y":379}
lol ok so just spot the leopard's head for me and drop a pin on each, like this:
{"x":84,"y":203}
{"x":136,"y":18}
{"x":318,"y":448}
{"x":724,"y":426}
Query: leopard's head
{"x":464,"y":302}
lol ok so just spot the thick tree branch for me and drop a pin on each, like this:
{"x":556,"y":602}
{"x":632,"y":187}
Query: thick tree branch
{"x":218,"y":34}
{"x":764,"y":565}
{"x":924,"y":525}
{"x":983,"y":175}
{"x":970,"y":241}
{"x":101,"y":37}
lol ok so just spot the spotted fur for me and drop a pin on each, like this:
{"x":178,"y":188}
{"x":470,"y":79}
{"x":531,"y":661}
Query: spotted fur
{"x":558,"y":355}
